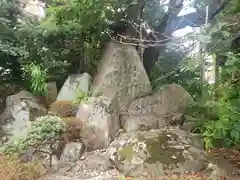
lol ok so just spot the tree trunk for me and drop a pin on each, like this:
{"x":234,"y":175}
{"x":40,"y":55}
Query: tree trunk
{"x":151,"y":54}
{"x":81,"y":58}
{"x":133,"y":16}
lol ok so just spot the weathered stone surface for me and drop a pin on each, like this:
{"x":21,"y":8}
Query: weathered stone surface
{"x":140,"y":122}
{"x":140,"y":115}
{"x":122,"y":73}
{"x":47,"y":153}
{"x":172,"y":99}
{"x":163,"y":108}
{"x":50,"y":162}
{"x":97,"y":163}
{"x":157,"y":152}
{"x":52,"y":92}
{"x":72,"y":153}
{"x":94,"y":167}
{"x":72,"y":85}
{"x":100,"y":122}
{"x":21,"y":108}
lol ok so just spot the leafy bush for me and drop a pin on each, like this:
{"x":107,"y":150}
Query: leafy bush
{"x":45,"y":130}
{"x":74,"y":126}
{"x":12,"y":169}
{"x":220,"y":118}
{"x":223,"y":132}
{"x":63,"y":108}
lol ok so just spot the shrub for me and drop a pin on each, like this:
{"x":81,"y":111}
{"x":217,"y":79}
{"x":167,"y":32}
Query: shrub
{"x":45,"y":130}
{"x":12,"y":169}
{"x":225,"y":131}
{"x":219,"y":120}
{"x":63,"y":108}
{"x":74,"y":126}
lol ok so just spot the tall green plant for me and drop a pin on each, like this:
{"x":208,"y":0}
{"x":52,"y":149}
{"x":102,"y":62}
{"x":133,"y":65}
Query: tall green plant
{"x":37,"y":75}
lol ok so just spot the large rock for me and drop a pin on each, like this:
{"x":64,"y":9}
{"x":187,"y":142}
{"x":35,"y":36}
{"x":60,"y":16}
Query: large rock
{"x":140,"y":115}
{"x":72,"y":153}
{"x":157,"y":152}
{"x":100,"y":122}
{"x":121,"y":78}
{"x":74,"y":83}
{"x":122,"y":73}
{"x":172,"y":98}
{"x":95,"y":163}
{"x":21,"y":108}
{"x":163,"y":108}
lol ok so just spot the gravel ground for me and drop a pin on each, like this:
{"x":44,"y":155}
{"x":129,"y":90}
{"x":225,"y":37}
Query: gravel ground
{"x":229,"y":160}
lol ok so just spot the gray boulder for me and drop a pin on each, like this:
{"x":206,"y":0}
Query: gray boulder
{"x":157,"y":152}
{"x":72,"y":153}
{"x":21,"y":109}
{"x":101,"y":122}
{"x":164,"y":108}
{"x":121,"y":73}
{"x":74,"y":83}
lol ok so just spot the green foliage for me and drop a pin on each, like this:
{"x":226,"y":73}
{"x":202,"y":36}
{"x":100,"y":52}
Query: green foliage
{"x":219,"y":113}
{"x":69,"y":40}
{"x":44,"y":50}
{"x":44,"y":131}
{"x":81,"y":26}
{"x":219,"y":119}
{"x":226,"y":128}
{"x":25,"y":56}
{"x":37,"y":77}
{"x":223,"y":132}
{"x":10,"y":51}
{"x":82,"y":96}
{"x":169,"y":69}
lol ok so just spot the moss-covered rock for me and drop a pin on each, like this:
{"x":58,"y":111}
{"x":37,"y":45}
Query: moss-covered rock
{"x":157,"y":152}
{"x":160,"y":151}
{"x":127,"y":152}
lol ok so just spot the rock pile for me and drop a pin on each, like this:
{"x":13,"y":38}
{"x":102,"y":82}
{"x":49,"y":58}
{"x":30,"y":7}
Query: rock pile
{"x":126,"y":128}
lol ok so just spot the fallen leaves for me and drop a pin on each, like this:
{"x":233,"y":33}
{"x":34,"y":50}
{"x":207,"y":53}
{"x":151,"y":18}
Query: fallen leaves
{"x":231,"y":154}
